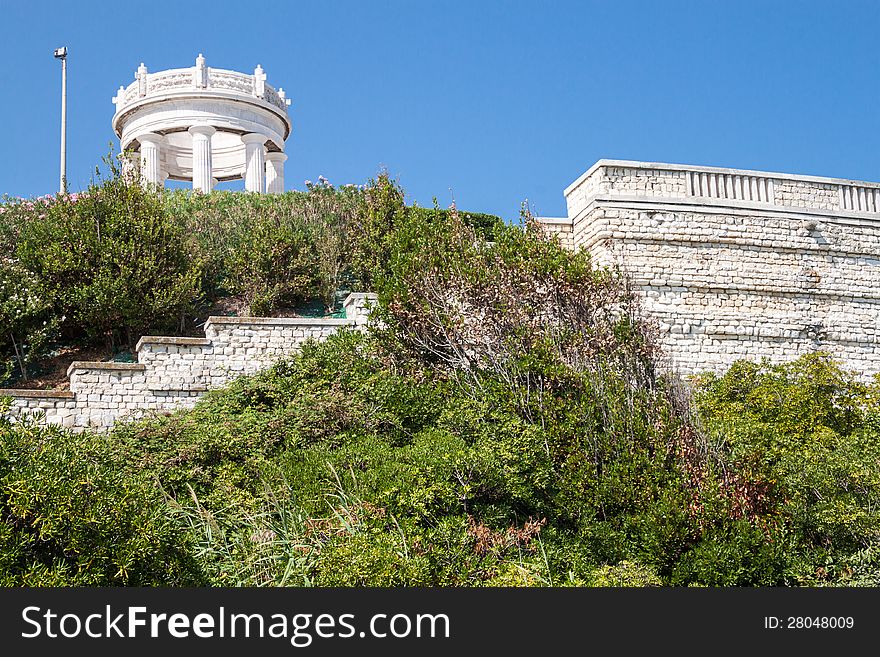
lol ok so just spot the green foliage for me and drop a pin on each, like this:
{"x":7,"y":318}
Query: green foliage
{"x":384,"y":213}
{"x":274,"y":267}
{"x":222,"y":462}
{"x":72,"y":515}
{"x":535,"y":446}
{"x":625,"y":573}
{"x":803,"y":439}
{"x":273,"y":250}
{"x":738,"y":554}
{"x":27,"y":324}
{"x":111,"y":260}
{"x":121,"y":259}
{"x":483,"y":225}
{"x":504,"y":422}
{"x":454,"y":476}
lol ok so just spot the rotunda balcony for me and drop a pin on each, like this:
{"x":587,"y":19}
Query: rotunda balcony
{"x":204,"y":125}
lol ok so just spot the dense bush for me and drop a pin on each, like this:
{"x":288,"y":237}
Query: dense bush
{"x":27,"y":323}
{"x":803,"y":438}
{"x":505,"y":425}
{"x":110,"y":261}
{"x":72,"y":514}
{"x":273,"y":250}
{"x":336,"y":468}
{"x":116,"y":261}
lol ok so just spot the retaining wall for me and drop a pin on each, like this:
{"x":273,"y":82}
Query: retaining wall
{"x":738,"y":264}
{"x":173,"y":372}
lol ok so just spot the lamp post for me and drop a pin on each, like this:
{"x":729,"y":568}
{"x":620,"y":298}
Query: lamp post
{"x":61,"y":53}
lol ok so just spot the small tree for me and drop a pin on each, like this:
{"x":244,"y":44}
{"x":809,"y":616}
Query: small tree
{"x":385,"y":211}
{"x":520,"y":310}
{"x":26,"y":320}
{"x":112,"y":259}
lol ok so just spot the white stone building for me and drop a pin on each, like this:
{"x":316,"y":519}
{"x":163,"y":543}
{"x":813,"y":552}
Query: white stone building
{"x":205,"y":125}
{"x":738,"y":264}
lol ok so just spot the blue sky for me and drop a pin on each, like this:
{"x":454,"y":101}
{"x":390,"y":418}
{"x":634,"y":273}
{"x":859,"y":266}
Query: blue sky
{"x":490,"y":103}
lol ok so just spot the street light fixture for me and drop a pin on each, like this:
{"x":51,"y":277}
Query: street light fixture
{"x":61,"y":53}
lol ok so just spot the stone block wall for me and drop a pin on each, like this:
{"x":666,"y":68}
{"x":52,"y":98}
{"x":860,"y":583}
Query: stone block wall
{"x":802,"y":194}
{"x":738,"y":264}
{"x":60,"y":405}
{"x":562,"y":228}
{"x":173,"y":372}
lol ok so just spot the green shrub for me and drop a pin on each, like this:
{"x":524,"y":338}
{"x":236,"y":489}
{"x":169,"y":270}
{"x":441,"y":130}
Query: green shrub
{"x":801,"y":442}
{"x":625,"y":573}
{"x":27,"y":323}
{"x":73,"y":516}
{"x":224,"y":460}
{"x":273,"y":250}
{"x":485,"y":226}
{"x":739,"y":554}
{"x":275,"y":266}
{"x":364,"y":559}
{"x":111,"y":260}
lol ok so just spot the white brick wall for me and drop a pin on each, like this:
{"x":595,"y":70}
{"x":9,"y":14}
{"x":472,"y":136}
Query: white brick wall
{"x":739,"y":264}
{"x":172,"y":373}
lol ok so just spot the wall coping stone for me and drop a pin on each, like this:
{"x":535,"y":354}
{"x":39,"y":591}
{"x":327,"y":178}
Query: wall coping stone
{"x":354,"y":296}
{"x":172,"y":387}
{"x":278,"y":321}
{"x":172,"y":340}
{"x":105,"y":365}
{"x":36,"y":394}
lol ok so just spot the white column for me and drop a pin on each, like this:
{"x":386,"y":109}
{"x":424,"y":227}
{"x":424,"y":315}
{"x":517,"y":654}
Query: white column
{"x":275,"y":172}
{"x":254,"y":162}
{"x":151,"y":169}
{"x":202,"y":175}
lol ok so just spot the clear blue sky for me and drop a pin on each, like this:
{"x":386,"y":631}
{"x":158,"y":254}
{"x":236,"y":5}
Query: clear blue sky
{"x":492,"y":102}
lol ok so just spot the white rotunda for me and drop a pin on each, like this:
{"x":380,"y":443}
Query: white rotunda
{"x":205,"y":125}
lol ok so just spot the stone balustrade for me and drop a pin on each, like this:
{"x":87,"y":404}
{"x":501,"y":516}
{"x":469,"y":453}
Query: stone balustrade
{"x":205,"y":125}
{"x":609,"y":179}
{"x":147,"y":85}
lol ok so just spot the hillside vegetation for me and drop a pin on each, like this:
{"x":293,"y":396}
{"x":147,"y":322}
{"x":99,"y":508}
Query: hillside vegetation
{"x":96,"y":270}
{"x":506,"y":421}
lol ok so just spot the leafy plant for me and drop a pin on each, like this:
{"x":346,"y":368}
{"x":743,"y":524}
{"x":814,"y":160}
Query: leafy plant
{"x":27,"y":323}
{"x":111,"y":260}
{"x":72,"y":515}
